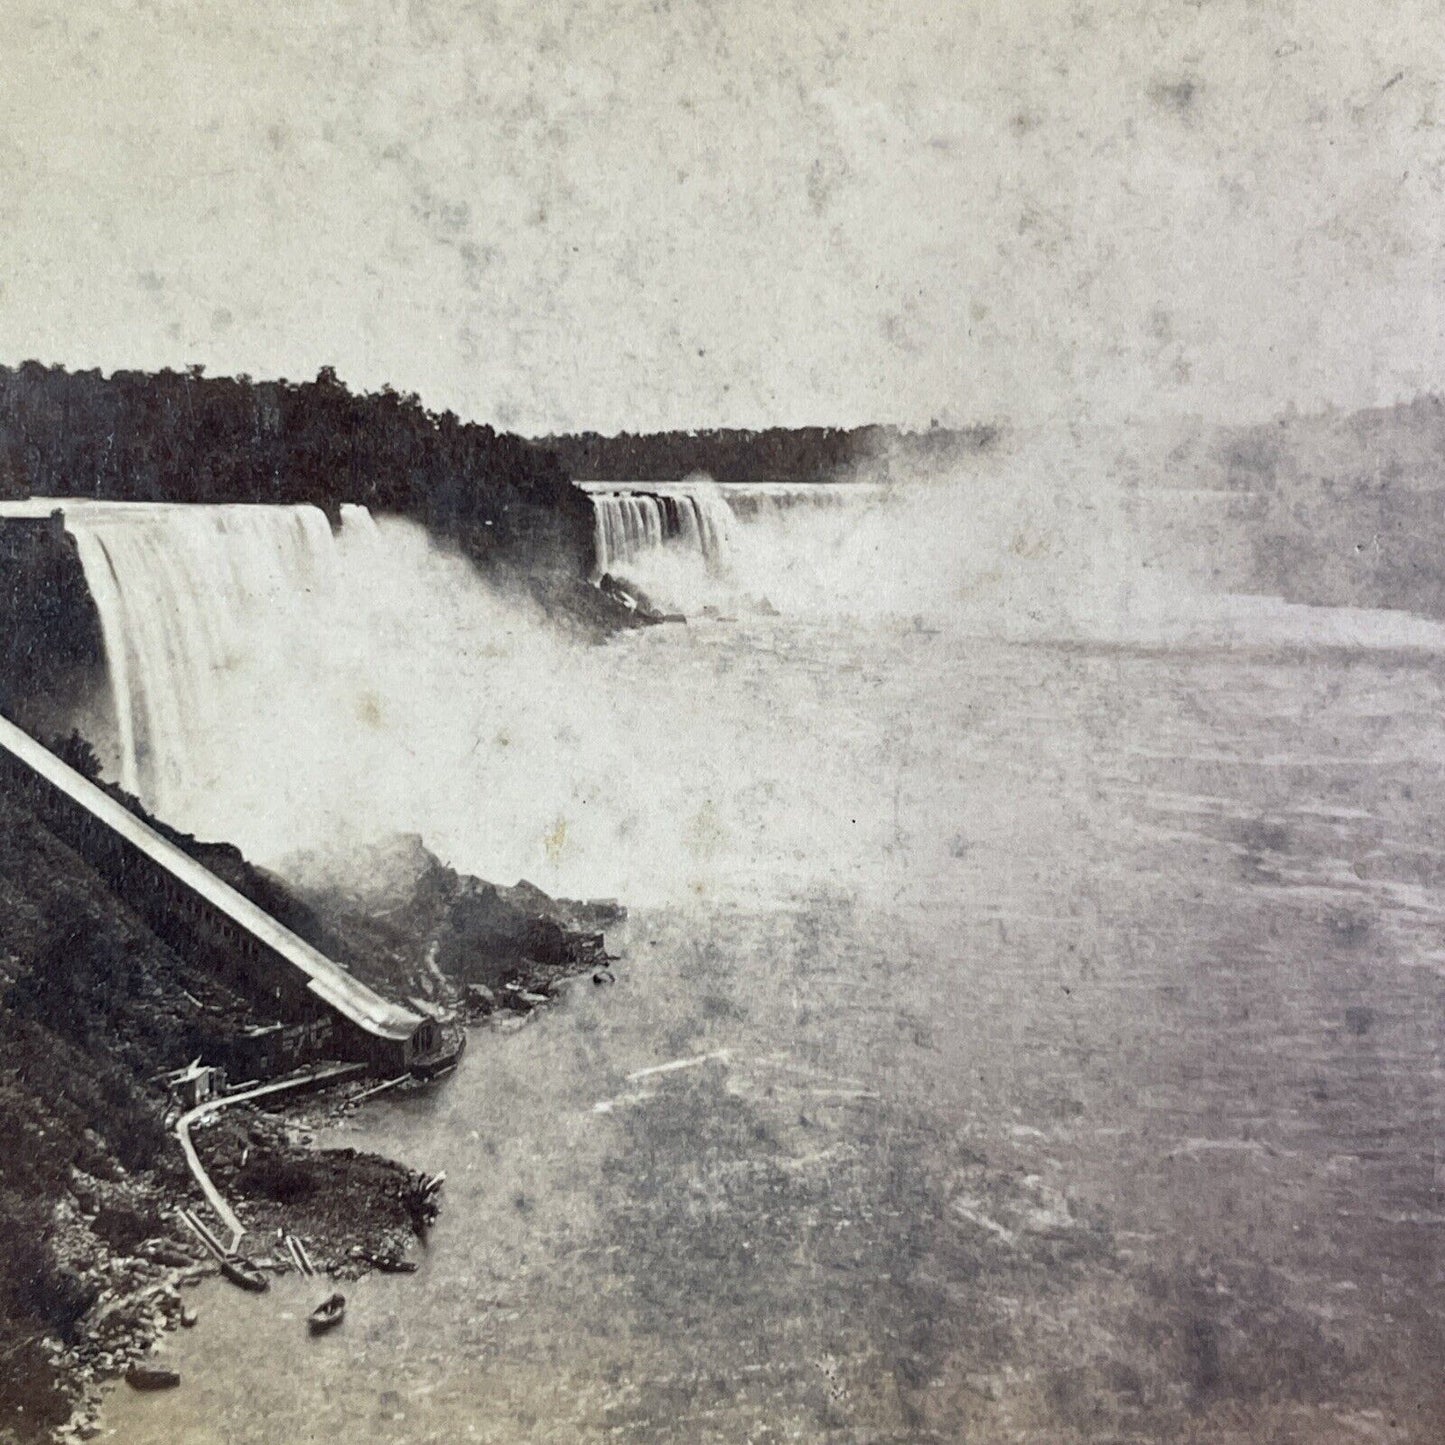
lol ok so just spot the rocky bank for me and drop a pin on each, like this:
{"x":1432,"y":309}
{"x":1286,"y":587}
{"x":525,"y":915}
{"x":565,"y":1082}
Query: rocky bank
{"x":96,"y":1008}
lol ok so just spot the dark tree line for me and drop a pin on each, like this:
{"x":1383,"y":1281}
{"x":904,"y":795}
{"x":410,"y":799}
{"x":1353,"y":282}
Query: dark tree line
{"x":778,"y":454}
{"x":183,"y":436}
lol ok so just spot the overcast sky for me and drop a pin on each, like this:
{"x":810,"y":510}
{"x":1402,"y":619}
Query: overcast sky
{"x":610,"y":214}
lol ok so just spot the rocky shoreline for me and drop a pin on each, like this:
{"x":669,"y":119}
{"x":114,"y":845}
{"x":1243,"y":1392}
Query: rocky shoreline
{"x":353,"y":1211}
{"x":97,"y":1009}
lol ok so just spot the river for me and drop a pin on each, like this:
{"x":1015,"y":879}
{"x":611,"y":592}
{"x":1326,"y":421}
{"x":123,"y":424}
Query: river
{"x":1033,"y":1040}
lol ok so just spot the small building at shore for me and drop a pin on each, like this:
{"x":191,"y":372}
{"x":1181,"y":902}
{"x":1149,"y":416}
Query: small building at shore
{"x":196,"y":1084}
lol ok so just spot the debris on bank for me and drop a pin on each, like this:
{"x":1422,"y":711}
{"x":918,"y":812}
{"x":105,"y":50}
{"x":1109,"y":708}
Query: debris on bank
{"x":333,"y":1212}
{"x":110,"y":1227}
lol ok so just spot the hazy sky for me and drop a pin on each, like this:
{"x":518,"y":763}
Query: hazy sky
{"x":615,"y":214}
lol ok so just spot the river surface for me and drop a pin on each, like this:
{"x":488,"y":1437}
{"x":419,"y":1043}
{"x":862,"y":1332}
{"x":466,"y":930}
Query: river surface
{"x":1030,"y":1040}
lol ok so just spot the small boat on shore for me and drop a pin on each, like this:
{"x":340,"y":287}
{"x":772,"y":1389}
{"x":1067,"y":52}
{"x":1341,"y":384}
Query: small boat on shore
{"x":245,"y":1274}
{"x":152,"y":1377}
{"x":328,"y":1314}
{"x":390,"y":1263}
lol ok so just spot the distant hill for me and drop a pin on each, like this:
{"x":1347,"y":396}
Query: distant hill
{"x":777,"y":454}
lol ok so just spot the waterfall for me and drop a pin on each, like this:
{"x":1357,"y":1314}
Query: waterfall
{"x":633,"y":520}
{"x":293,"y":689}
{"x":185,"y":593}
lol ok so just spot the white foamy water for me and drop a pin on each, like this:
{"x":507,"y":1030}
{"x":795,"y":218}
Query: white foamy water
{"x":1012,"y":547}
{"x":301,"y":692}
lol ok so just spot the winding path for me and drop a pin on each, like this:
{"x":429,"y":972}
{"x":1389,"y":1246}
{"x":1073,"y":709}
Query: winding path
{"x":321,"y":1074}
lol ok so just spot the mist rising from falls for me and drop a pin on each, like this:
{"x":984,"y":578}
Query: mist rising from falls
{"x":701,"y":544}
{"x":304,"y":692}
{"x":1049,"y":537}
{"x":996,"y":549}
